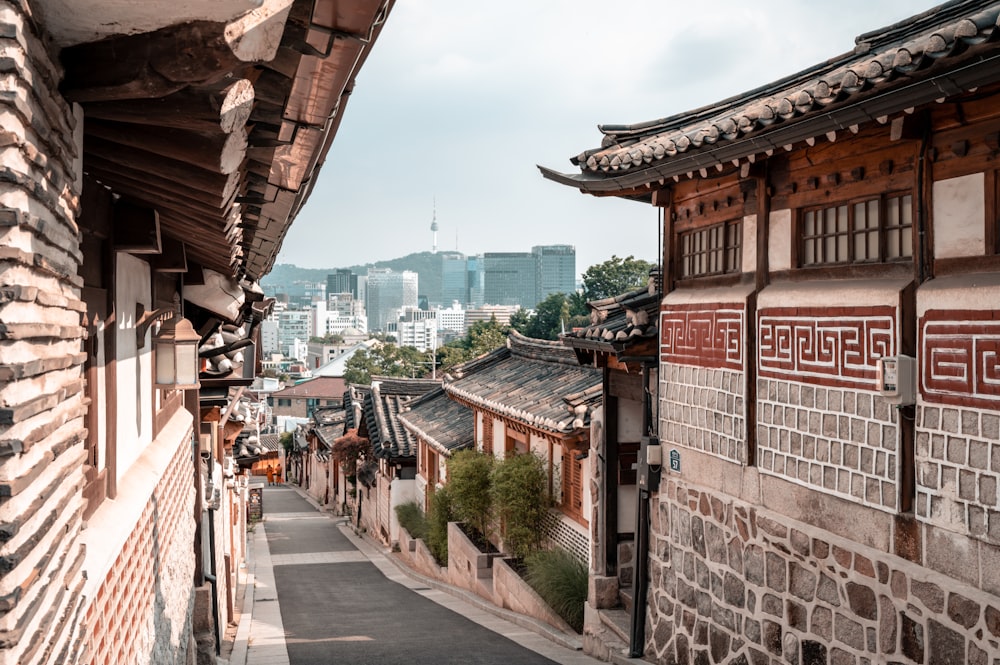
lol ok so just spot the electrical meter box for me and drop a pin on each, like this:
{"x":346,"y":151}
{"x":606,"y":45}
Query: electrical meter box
{"x":897,"y":380}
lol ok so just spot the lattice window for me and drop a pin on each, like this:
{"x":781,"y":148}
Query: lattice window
{"x":714,"y":250}
{"x":876,"y":230}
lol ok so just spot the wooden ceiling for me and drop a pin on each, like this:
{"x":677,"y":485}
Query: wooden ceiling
{"x":220,"y":127}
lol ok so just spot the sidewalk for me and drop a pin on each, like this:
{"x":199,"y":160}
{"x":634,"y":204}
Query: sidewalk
{"x":260,"y":636}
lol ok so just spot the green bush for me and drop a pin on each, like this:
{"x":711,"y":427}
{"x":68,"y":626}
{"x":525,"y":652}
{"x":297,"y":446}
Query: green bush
{"x":412,"y":519}
{"x":469,"y":489}
{"x":519,"y":491}
{"x":561,"y":580}
{"x":437,"y":525}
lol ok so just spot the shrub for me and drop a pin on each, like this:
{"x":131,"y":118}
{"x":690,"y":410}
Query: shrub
{"x":412,"y":519}
{"x":469,"y":489}
{"x":519,"y":490}
{"x":561,"y":580}
{"x":437,"y":525}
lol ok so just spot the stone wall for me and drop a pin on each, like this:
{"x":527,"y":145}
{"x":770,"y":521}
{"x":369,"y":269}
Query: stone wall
{"x":704,"y":409}
{"x":42,"y":405}
{"x":733,"y":583}
{"x":844,"y":440}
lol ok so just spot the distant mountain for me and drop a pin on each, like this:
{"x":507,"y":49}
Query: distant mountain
{"x":426,"y":264}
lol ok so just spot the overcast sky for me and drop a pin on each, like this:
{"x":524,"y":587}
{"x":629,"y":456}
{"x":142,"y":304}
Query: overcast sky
{"x":458,"y":101}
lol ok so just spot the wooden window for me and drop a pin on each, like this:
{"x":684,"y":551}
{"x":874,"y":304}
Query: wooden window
{"x":572,"y":483}
{"x":875,"y":230}
{"x":714,"y":250}
{"x":515,"y":443}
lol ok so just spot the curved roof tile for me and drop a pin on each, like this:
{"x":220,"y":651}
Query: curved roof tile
{"x":882,"y":60}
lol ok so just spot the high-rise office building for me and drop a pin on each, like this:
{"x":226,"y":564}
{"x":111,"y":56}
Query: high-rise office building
{"x":510,"y":279}
{"x":342,"y":281}
{"x":454,"y":279}
{"x":555,"y":270}
{"x":389,"y":293}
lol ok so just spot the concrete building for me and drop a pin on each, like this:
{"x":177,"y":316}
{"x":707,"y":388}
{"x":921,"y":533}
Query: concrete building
{"x":342,"y":281}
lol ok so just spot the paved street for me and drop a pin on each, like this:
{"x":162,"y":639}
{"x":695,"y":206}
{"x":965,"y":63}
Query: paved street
{"x":324,"y":596}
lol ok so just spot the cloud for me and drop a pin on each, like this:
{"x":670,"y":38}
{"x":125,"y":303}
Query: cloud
{"x":459,"y":100}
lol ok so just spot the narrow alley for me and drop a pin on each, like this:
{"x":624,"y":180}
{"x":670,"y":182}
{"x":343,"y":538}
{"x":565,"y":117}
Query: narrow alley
{"x":322,"y":595}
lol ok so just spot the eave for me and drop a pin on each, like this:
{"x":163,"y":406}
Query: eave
{"x":219,"y":123}
{"x":932,"y":57}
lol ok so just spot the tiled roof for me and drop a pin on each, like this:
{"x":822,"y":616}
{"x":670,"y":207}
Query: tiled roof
{"x":325,"y":387}
{"x":386,"y":399}
{"x":354,"y":404}
{"x":617,"y":322}
{"x":531,"y":384}
{"x":271,"y":442}
{"x":944,"y":51}
{"x":439,"y":420}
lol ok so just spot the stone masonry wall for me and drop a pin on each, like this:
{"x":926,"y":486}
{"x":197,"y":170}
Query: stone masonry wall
{"x":42,"y":405}
{"x":958,"y":470}
{"x":731,"y":583}
{"x":703,"y":408}
{"x":841,"y":440}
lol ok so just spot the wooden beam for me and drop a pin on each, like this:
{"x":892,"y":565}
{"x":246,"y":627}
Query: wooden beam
{"x":172,"y":259}
{"x":216,"y":152}
{"x":148,"y":65}
{"x":194,"y":108}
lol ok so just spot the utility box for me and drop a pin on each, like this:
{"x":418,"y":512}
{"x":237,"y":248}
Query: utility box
{"x":897,"y":379}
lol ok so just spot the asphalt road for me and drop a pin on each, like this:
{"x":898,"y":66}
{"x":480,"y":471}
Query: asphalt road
{"x":337,"y":607}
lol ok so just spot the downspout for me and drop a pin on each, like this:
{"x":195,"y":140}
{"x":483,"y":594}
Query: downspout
{"x":212,"y":579}
{"x":637,"y":624}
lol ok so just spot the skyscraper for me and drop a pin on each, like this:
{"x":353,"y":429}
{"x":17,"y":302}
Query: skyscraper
{"x":454,"y":279}
{"x":510,"y":279}
{"x":555,"y":270}
{"x":388,"y":293}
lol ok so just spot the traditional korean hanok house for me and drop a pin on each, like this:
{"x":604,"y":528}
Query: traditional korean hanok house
{"x":441,"y":427}
{"x":392,"y":480}
{"x":622,"y":341}
{"x":828,"y":389}
{"x":533,"y":396}
{"x":321,"y":479}
{"x":152,"y":158}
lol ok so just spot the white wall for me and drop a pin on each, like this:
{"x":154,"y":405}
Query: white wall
{"x":134,"y":366}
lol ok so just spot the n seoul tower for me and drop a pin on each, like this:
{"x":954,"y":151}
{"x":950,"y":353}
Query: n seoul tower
{"x":434,"y":229}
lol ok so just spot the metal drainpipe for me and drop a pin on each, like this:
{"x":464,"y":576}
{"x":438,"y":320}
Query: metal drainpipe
{"x":637,"y":627}
{"x":213,"y":580}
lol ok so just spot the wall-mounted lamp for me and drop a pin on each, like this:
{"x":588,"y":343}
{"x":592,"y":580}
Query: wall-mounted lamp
{"x":175,"y":346}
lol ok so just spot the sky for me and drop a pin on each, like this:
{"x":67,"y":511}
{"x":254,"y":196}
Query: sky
{"x":459,"y":101}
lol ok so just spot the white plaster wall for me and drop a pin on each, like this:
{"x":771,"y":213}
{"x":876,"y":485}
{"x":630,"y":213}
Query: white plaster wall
{"x":498,"y":437}
{"x":833,"y":293}
{"x":960,"y":216}
{"x":400,"y":492}
{"x":975,"y":292}
{"x":779,"y":240}
{"x":629,"y":420}
{"x":628,"y":498}
{"x":134,"y":371}
{"x":749,"y":249}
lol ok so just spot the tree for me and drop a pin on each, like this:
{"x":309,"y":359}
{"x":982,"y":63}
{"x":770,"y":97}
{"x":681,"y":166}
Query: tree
{"x":614,"y":277}
{"x":384,"y":360}
{"x":550,"y":318}
{"x":520,"y":320}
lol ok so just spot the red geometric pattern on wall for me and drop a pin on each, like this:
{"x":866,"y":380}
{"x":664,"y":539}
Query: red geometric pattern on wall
{"x":831,"y":346}
{"x":703,"y":335}
{"x":960,"y":357}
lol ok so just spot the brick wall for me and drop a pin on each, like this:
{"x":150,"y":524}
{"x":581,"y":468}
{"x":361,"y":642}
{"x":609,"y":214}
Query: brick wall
{"x":42,"y":404}
{"x":734,"y":583}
